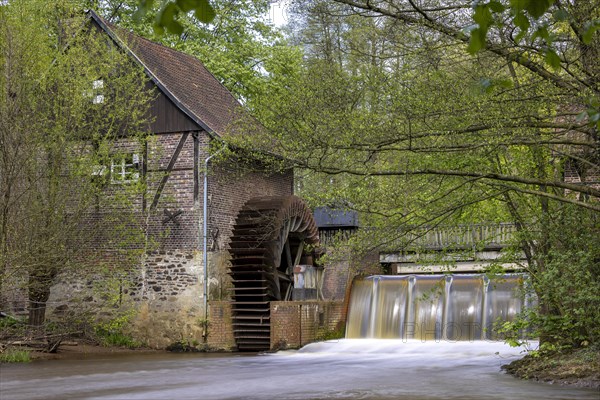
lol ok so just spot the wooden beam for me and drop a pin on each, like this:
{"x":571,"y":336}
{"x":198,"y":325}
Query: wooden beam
{"x":165,"y":178}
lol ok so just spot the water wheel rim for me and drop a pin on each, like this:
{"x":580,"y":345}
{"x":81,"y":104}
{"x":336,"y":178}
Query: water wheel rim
{"x":269,"y":238}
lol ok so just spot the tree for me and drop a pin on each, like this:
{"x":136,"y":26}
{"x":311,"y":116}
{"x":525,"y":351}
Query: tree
{"x":239,"y":47}
{"x":393,"y":115}
{"x":167,"y":17}
{"x":557,"y":41}
{"x":66,"y":95}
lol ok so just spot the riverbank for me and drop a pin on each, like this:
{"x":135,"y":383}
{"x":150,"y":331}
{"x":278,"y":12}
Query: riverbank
{"x":88,"y":350}
{"x":81,"y":349}
{"x":579,"y":368}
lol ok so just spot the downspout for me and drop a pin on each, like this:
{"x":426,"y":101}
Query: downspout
{"x":204,"y":241}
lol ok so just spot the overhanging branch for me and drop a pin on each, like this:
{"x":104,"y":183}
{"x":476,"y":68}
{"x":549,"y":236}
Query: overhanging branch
{"x":465,"y":174}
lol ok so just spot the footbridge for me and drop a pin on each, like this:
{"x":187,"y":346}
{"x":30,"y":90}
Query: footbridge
{"x":463,"y":248}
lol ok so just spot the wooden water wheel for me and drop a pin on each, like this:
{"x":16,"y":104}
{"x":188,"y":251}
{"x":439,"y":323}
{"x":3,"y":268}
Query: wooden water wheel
{"x":270,"y":237}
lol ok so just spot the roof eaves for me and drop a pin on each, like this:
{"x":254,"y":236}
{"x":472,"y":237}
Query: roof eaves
{"x":152,"y":76}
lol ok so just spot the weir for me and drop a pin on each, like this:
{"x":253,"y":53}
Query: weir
{"x":434,"y":307}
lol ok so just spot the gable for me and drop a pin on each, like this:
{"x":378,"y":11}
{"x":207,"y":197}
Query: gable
{"x":167,"y":117}
{"x":183,"y":80}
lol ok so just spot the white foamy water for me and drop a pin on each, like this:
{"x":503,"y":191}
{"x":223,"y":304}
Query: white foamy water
{"x":344,"y":369}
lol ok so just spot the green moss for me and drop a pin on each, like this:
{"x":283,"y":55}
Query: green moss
{"x":579,"y":367}
{"x":332,"y":334}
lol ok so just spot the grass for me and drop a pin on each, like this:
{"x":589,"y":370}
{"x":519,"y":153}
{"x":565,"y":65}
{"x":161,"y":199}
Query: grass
{"x":15,"y":356}
{"x":120,"y":340}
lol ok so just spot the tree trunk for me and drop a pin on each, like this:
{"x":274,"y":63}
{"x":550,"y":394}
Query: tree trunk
{"x":39,"y":292}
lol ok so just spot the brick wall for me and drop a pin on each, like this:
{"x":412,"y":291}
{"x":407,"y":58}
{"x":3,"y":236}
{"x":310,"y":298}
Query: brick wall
{"x":336,"y":277}
{"x":294,"y":324}
{"x":220,"y":328}
{"x":575,"y":172}
{"x":166,"y":285}
{"x":230,"y":189}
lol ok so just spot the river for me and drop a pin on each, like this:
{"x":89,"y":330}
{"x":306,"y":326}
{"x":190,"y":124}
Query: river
{"x":343,"y":369}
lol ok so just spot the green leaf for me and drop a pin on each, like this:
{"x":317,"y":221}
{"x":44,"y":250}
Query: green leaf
{"x":521,"y":21}
{"x":560,"y":15}
{"x":175,"y":27}
{"x":483,"y":16}
{"x":505,"y":83}
{"x":167,"y":19}
{"x":496,"y":6}
{"x":581,"y":116}
{"x":476,"y":41}
{"x":167,"y":15}
{"x":552,"y":58}
{"x":519,"y":5}
{"x":143,"y":7}
{"x":542,"y":32}
{"x":537,"y":8}
{"x":158,"y":29}
{"x":470,"y":28}
{"x":486,"y":84}
{"x":187,"y":5}
{"x":204,"y":11}
{"x":589,"y":29}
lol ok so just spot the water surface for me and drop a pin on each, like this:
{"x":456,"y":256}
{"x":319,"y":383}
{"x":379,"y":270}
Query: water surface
{"x":345,"y":369}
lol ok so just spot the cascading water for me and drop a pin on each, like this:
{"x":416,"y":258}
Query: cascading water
{"x":383,"y":369}
{"x":433,"y":307}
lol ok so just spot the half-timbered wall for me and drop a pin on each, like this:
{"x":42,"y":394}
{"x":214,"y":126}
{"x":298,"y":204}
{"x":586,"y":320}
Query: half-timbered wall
{"x":166,"y":285}
{"x":163,"y":281}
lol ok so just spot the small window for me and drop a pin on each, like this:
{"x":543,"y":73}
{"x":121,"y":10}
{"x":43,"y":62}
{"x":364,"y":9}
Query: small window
{"x":99,"y":170}
{"x":125,"y":169}
{"x":96,"y":93}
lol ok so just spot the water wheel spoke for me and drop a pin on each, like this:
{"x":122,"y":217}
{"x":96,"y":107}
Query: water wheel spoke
{"x":299,"y":253}
{"x":288,"y":254}
{"x":268,"y":240}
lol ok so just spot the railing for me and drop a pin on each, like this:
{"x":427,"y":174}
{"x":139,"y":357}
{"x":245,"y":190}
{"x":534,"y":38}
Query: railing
{"x":459,"y":237}
{"x":485,"y":236}
{"x":329,"y":237}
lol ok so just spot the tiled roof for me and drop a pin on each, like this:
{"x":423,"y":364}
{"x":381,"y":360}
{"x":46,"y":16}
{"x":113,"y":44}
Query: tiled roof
{"x":182,"y":77}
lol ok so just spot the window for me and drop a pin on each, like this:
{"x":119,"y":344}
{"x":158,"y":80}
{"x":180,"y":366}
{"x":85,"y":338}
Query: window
{"x":99,"y":170}
{"x":98,"y":88}
{"x":96,"y":93}
{"x":125,"y":169}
